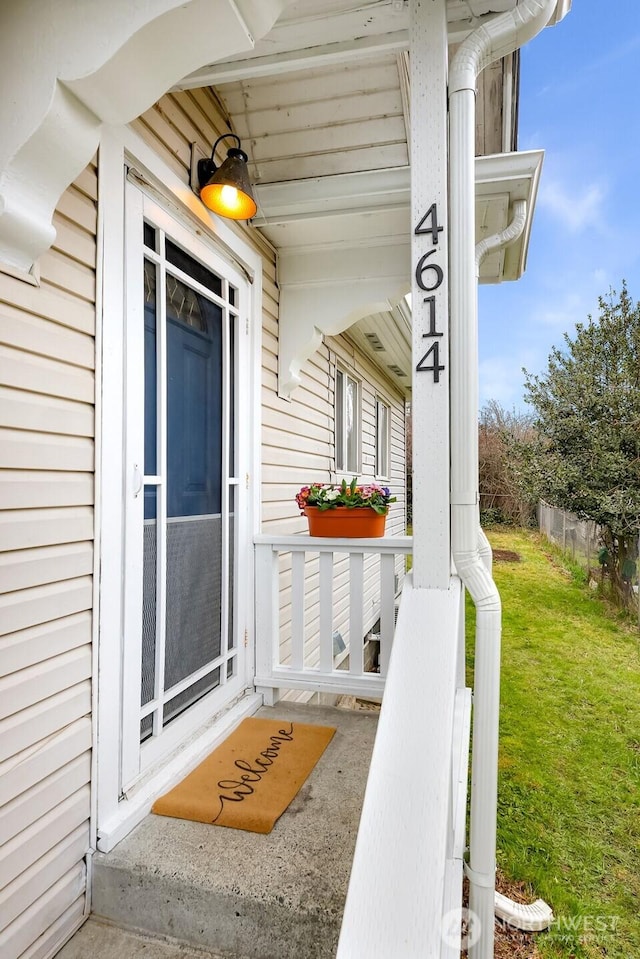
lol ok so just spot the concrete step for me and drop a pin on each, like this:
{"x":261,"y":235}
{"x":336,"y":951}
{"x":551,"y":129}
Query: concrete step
{"x":100,"y":940}
{"x":240,"y":894}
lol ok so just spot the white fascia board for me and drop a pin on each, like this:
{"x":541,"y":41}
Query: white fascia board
{"x":562,"y":9}
{"x":500,"y":173}
{"x":514,"y":173}
{"x":310,"y":52}
{"x":517,"y":174}
{"x":290,"y":61}
{"x":402,"y":314}
{"x":331,"y":195}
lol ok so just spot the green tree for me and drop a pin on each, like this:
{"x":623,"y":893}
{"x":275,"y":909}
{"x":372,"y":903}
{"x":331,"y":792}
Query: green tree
{"x":504,"y":497}
{"x":587,"y":404}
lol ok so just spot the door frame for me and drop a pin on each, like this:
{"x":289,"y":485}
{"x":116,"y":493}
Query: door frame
{"x":116,"y":812}
{"x":139,"y":206}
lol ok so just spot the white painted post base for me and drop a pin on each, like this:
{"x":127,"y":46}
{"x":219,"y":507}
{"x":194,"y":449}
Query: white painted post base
{"x":269,"y":695}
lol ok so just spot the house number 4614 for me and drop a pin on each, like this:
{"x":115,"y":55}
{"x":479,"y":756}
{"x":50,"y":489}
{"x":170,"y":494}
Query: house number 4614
{"x":429,"y":277}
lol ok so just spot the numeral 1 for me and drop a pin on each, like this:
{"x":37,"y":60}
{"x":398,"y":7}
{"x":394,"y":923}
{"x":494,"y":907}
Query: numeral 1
{"x":431,"y":300}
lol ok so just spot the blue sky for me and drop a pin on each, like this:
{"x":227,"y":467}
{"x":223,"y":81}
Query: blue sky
{"x":580,"y":102}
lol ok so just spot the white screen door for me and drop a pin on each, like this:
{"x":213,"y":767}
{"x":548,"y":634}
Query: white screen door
{"x":183,"y":658}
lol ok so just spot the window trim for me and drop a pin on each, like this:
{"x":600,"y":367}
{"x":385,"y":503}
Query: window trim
{"x":384,"y":460}
{"x":341,"y":456}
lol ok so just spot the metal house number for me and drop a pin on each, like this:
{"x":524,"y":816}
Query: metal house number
{"x":429,"y":277}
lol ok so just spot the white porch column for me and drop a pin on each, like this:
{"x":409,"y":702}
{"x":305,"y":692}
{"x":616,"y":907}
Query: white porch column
{"x":430,"y":294}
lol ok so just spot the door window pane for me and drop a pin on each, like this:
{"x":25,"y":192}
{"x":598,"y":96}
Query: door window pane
{"x":194,"y":412}
{"x":189,"y":485}
{"x":149,"y":237}
{"x":231,"y":566}
{"x":150,"y":373}
{"x":194,"y":583}
{"x":194,"y":481}
{"x":149,"y":593}
{"x":232,"y":396}
{"x":177,"y":257}
{"x":176,"y":706}
{"x":186,"y":306}
{"x":146,"y":727}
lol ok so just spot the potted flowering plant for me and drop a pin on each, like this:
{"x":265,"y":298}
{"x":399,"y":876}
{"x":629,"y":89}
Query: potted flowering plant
{"x":345,"y":509}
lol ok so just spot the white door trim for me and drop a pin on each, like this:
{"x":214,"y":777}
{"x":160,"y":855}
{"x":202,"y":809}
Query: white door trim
{"x":139,"y":206}
{"x":116,"y":812}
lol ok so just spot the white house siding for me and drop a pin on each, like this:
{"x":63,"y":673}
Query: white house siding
{"x":375,"y":386}
{"x":298,"y":448}
{"x":47,"y":389}
{"x":47,"y":395}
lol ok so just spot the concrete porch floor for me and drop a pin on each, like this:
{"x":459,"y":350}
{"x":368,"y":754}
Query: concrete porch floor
{"x":238,"y":894}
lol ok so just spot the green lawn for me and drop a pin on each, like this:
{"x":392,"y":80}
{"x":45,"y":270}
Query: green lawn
{"x":569,"y":791}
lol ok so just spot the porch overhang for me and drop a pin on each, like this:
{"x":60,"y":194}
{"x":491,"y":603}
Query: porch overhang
{"x":344,"y":255}
{"x":105,"y":67}
{"x":319,"y":33}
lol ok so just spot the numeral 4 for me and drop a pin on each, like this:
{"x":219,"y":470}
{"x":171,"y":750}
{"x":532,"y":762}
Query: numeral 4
{"x":434,"y":367}
{"x":433,"y":228}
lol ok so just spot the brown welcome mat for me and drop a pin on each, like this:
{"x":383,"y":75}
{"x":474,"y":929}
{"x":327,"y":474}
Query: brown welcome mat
{"x":250,"y":779}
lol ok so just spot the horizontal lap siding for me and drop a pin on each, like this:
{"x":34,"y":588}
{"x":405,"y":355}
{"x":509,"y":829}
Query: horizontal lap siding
{"x":47,"y":396}
{"x":298,"y":448}
{"x":297,"y":436}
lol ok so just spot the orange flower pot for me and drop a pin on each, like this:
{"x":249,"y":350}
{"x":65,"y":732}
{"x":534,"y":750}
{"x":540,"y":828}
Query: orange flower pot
{"x":361,"y":521}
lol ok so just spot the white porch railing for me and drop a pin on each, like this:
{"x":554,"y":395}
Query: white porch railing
{"x":405,"y":890}
{"x":313,"y":593}
{"x":406,"y":881}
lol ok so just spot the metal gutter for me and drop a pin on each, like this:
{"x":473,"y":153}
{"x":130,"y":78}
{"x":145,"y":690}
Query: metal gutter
{"x":495,"y":39}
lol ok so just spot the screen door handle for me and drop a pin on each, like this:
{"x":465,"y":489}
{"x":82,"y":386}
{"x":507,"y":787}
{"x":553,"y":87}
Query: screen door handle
{"x":137,"y":480}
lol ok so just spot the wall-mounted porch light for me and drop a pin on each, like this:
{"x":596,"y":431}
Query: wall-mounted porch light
{"x":226,"y":190}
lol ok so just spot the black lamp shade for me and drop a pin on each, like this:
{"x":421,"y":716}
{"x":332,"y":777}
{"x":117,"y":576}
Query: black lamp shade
{"x":227,"y":189}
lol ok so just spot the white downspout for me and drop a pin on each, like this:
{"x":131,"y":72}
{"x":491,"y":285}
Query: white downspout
{"x":539,"y":915}
{"x":505,"y":238}
{"x":491,"y":41}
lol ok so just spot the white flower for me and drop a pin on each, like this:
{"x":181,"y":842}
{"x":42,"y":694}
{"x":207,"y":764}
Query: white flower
{"x":331,"y":494}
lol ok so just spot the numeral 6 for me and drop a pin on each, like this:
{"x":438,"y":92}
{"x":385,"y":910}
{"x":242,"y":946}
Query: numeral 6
{"x":422,"y":268}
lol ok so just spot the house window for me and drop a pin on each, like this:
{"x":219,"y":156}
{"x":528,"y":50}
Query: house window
{"x":347,"y":423}
{"x":382,"y":440}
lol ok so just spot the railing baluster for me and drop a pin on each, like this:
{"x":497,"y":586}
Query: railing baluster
{"x":271,"y":673}
{"x":326,"y":612}
{"x":297,"y":609}
{"x":356,"y":624}
{"x":267,"y":624}
{"x":387,"y":609}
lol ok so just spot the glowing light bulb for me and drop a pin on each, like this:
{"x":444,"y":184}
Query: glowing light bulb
{"x":229,"y":196}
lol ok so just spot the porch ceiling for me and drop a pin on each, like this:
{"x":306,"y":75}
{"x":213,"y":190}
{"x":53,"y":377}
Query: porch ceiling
{"x":322,"y":106}
{"x":500,"y":181}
